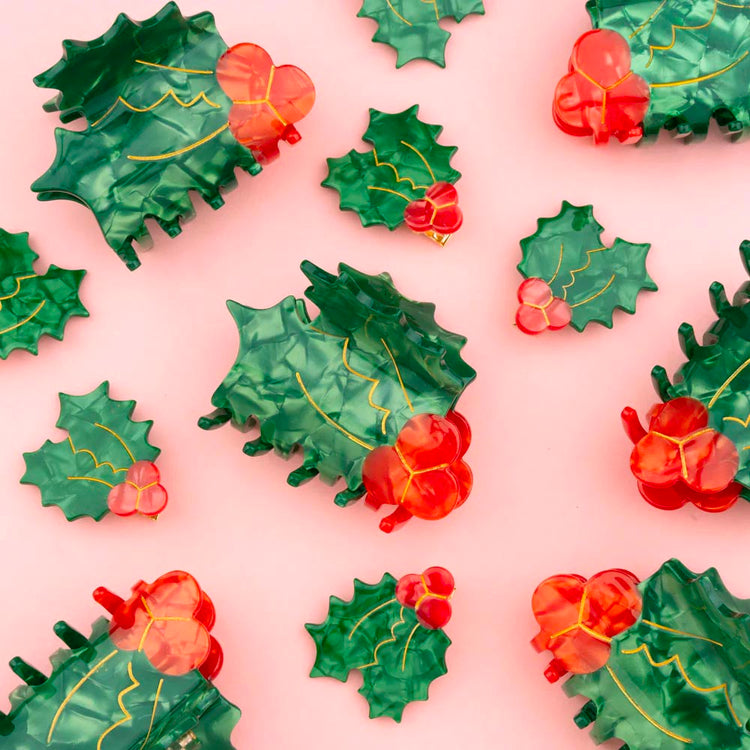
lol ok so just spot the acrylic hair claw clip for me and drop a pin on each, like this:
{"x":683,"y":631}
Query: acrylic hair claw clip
{"x":573,"y":278}
{"x":31,"y":304}
{"x":650,"y":65}
{"x":104,"y":465}
{"x":406,"y":177}
{"x":169,"y":109}
{"x":412,"y":27}
{"x":392,"y":633}
{"x":695,"y":446}
{"x":367,"y":389}
{"x":141,"y":680}
{"x":663,"y":664}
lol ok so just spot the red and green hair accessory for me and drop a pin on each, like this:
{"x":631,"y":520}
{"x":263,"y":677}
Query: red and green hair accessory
{"x":169,"y":109}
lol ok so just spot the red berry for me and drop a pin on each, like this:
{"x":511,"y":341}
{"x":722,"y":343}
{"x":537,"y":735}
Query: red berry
{"x":540,"y":310}
{"x":438,"y":211}
{"x":139,"y":493}
{"x":439,"y":581}
{"x":410,"y":589}
{"x":434,"y":613}
{"x":462,"y":425}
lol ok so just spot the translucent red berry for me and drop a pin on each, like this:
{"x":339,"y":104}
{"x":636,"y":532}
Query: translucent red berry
{"x":429,"y":595}
{"x":540,"y":310}
{"x":141,"y":492}
{"x":437,"y":212}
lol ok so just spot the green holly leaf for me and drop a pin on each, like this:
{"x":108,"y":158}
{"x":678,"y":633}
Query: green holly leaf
{"x":344,"y":383}
{"x":98,"y":696}
{"x":695,"y":55}
{"x":677,"y":676}
{"x":567,"y":253}
{"x":405,"y":161}
{"x":157,"y":126}
{"x":33,"y":305}
{"x":374,"y":634}
{"x":103,"y":442}
{"x":412,"y":27}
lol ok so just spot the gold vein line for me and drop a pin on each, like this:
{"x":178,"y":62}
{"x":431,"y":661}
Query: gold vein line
{"x":706,"y":77}
{"x":421,"y":156}
{"x":398,"y":375}
{"x":387,"y":190}
{"x":328,"y":419}
{"x":744,"y":422}
{"x":589,"y":253}
{"x":171,"y":93}
{"x":97,"y":463}
{"x":392,"y":639}
{"x":19,"y":279}
{"x":153,"y":713}
{"x":406,"y":648}
{"x":676,"y":660}
{"x":90,"y":479}
{"x":375,"y":383}
{"x":75,"y":689}
{"x":675,"y":28}
{"x":179,"y":151}
{"x":26,"y":320}
{"x":390,"y":5}
{"x":727,"y":383}
{"x":732,"y":5}
{"x":680,"y":632}
{"x":179,"y":70}
{"x":399,"y":178}
{"x":598,"y":294}
{"x":371,"y":612}
{"x":559,"y":266}
{"x":651,"y":721}
{"x":434,"y":4}
{"x":127,"y":716}
{"x":649,"y":19}
{"x":117,"y":437}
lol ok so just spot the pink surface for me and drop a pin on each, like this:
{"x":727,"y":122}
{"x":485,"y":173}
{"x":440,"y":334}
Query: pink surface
{"x":553,"y":490}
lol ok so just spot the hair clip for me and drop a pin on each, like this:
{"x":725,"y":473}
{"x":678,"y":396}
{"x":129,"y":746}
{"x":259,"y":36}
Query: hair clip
{"x":367,"y":389}
{"x":663,"y":664}
{"x":169,"y":109}
{"x":572,"y":278}
{"x":33,"y":305}
{"x":406,"y":178}
{"x":104,"y":465}
{"x":412,"y":27}
{"x":695,"y":447}
{"x":141,"y":680}
{"x":649,"y":66}
{"x":392,"y":633}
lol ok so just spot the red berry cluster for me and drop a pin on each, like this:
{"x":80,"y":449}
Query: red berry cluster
{"x":437,"y":213}
{"x":540,"y":310}
{"x":423,"y":473}
{"x":139,"y":493}
{"x":681,"y":459}
{"x":429,"y":595}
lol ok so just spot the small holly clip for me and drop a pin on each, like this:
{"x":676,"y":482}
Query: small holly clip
{"x":412,"y":27}
{"x":392,"y":633}
{"x":169,"y":110}
{"x":104,"y":465}
{"x":141,"y":680}
{"x":405,"y":178}
{"x":367,"y":389}
{"x":31,"y":304}
{"x":695,"y":448}
{"x":572,"y":278}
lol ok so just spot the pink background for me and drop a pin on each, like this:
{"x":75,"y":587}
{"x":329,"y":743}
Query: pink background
{"x":553,"y":491}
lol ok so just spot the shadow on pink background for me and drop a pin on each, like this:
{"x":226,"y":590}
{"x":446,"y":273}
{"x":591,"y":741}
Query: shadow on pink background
{"x":553,"y":490}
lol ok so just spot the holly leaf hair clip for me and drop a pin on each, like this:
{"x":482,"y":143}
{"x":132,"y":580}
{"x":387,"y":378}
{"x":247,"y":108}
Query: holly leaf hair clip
{"x":367,"y":389}
{"x":649,"y":66}
{"x":412,"y":27}
{"x":105,"y":464}
{"x":663,"y":664}
{"x":141,"y":680}
{"x":391,"y":632}
{"x":32,"y":304}
{"x":169,"y":109}
{"x":405,"y":178}
{"x":573,"y":278}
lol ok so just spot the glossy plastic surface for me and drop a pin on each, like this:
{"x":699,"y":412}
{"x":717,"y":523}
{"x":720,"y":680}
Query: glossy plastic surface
{"x":104,"y":449}
{"x":579,"y":618}
{"x":423,"y":473}
{"x":383,"y":638}
{"x":346,"y":383}
{"x":429,"y":595}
